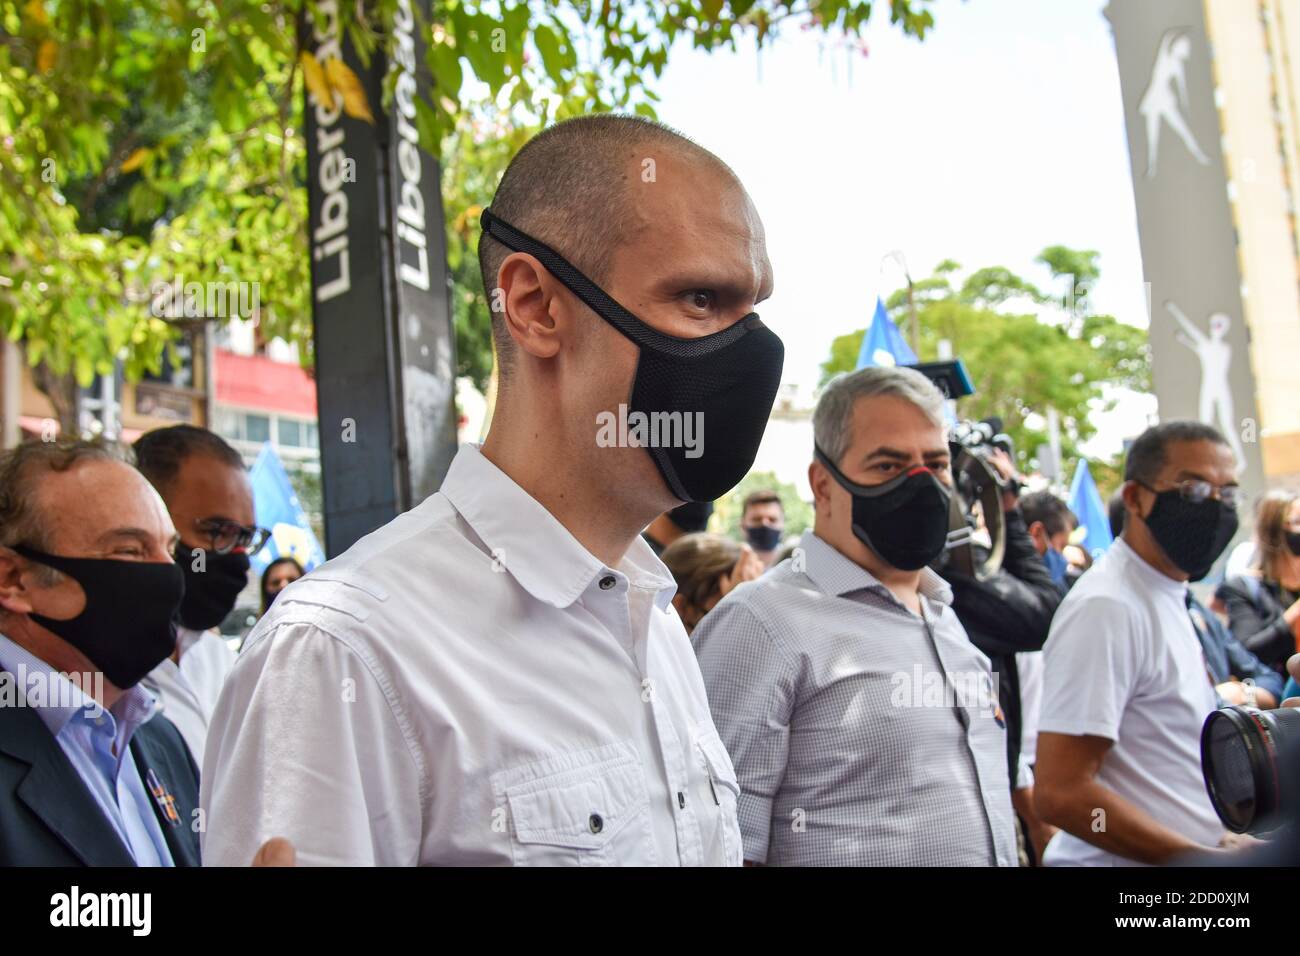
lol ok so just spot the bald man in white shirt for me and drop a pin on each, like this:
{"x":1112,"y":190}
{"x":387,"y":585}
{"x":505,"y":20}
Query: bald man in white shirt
{"x":498,"y":676}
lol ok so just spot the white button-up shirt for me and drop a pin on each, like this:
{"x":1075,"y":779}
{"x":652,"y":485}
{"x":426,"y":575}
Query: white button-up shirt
{"x":469,"y":685}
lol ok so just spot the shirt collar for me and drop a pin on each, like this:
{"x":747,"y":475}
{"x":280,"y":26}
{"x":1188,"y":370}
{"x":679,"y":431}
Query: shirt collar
{"x":531,"y":545}
{"x":1144,"y":572}
{"x":64,"y":700}
{"x":185,"y":639}
{"x":835,"y":574}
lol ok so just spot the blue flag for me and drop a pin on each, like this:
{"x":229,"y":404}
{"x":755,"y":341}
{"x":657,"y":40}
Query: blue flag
{"x":277,"y":508}
{"x":1086,"y":503}
{"x":884,"y":344}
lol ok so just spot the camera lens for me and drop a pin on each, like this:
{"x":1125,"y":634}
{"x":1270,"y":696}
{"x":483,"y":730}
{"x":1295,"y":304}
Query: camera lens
{"x":1239,"y":757}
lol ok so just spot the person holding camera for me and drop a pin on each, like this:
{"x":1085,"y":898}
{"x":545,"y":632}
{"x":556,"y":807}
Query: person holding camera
{"x":1006,"y":614}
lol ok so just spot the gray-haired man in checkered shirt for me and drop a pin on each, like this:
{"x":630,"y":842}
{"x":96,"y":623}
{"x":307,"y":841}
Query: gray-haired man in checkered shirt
{"x":862,"y":722}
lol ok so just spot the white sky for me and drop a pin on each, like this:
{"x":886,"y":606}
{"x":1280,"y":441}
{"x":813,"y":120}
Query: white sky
{"x":1000,"y":134}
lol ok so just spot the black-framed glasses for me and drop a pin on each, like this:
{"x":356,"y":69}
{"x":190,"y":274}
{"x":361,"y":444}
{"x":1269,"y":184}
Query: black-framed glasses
{"x":1197,"y":491}
{"x":227,"y":536}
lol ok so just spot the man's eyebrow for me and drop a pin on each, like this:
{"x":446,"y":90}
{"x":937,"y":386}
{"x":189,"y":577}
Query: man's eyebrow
{"x":140,"y":534}
{"x":731,"y":285}
{"x":884,"y":451}
{"x":220,"y":517}
{"x":1186,"y":475}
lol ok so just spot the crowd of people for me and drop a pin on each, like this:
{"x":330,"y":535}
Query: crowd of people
{"x":551,"y":661}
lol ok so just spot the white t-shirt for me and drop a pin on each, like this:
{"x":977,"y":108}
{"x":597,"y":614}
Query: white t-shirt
{"x":1123,"y":662}
{"x":1029,"y":665}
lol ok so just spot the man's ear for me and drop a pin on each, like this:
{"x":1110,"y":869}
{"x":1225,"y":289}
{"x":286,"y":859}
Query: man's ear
{"x":528,"y":296}
{"x":1132,"y":495}
{"x":14,"y":596}
{"x":819,"y":479}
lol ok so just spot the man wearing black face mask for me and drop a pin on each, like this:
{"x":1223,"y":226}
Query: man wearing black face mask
{"x":1126,"y":685}
{"x":762,"y":521}
{"x":90,"y":772}
{"x":863,"y":723}
{"x":516,"y":685}
{"x":205,"y":486}
{"x":689,"y":518}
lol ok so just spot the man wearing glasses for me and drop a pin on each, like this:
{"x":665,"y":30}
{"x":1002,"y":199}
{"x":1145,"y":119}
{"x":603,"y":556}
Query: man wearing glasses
{"x":1126,"y":686}
{"x":205,"y":486}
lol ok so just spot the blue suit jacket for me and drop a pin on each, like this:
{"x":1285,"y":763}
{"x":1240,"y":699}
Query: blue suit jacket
{"x":1228,"y":657}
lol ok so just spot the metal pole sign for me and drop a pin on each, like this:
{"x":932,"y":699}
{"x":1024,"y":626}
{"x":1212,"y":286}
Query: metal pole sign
{"x":381,"y":307}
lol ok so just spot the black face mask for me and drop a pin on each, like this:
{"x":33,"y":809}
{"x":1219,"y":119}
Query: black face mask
{"x":1293,"y":542}
{"x":904,"y":520}
{"x":763,"y":537}
{"x":210,"y":594}
{"x":730,"y":378}
{"x":1191,"y":534}
{"x":692,"y":516}
{"x":128,"y":626}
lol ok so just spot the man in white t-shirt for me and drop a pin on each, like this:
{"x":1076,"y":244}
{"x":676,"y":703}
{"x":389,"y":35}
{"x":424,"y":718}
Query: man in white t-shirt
{"x":1126,"y":689}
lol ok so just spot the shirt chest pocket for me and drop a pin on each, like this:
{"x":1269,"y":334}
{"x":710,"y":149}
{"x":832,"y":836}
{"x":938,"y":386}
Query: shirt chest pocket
{"x":724,"y":848}
{"x":587,"y":808}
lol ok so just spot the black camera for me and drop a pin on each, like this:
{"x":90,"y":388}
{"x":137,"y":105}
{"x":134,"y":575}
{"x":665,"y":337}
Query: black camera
{"x":977,"y":525}
{"x":980,"y":439}
{"x":1240,"y":748}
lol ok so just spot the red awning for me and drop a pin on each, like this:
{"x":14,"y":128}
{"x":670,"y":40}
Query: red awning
{"x":257,"y":382}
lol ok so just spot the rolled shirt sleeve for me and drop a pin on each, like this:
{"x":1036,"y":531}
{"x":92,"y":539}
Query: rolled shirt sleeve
{"x":1090,"y":665}
{"x":307,"y":744}
{"x":750,"y":683}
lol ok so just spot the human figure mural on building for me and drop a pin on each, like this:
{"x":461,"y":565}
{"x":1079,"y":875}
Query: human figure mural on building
{"x":1215,"y":355}
{"x":1165,"y":99}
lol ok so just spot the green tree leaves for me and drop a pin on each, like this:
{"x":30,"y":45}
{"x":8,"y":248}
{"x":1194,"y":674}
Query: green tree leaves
{"x":141,"y":140}
{"x":1026,"y":349}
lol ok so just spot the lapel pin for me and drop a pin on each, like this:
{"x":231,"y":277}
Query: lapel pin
{"x":163,"y":797}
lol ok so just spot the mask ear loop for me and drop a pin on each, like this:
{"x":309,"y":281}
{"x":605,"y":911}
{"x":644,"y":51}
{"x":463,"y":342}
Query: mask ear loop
{"x":605,"y":305}
{"x":872,"y":491}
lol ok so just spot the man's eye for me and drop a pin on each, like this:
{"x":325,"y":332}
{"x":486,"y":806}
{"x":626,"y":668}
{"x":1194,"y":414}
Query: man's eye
{"x":701,"y":298}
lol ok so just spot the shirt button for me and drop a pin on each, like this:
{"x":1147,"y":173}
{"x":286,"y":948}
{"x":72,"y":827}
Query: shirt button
{"x":607,"y":582}
{"x":681,"y":799}
{"x":595,"y":823}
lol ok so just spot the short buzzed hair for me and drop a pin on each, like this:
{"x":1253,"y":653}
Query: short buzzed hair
{"x":764,"y":496}
{"x":1043,"y":506}
{"x":566,"y":187}
{"x":1149,"y":452}
{"x":160,"y":453}
{"x":833,"y":417}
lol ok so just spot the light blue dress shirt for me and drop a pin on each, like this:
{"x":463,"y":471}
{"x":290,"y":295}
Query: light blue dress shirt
{"x":97,"y":742}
